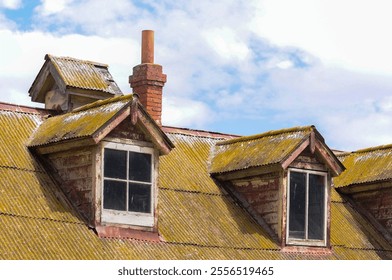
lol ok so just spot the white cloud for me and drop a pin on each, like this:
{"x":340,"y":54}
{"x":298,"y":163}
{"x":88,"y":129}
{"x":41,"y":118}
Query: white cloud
{"x":349,"y":34}
{"x":95,"y":17}
{"x":226,"y":43}
{"x":11,"y":4}
{"x":275,"y":63}
{"x":183,"y":112}
{"x":50,"y":7}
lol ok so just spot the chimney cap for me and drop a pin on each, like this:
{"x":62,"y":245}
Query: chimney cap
{"x":147,"y":46}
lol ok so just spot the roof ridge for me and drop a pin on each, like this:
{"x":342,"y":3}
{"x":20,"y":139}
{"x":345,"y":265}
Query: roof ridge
{"x":198,"y":132}
{"x":366,"y":150}
{"x":102,"y":102}
{"x":25,"y":109}
{"x":77,"y":60}
{"x":265,"y":134}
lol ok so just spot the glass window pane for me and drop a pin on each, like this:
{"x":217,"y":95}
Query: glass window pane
{"x":139,"y":167}
{"x":316,"y":211}
{"x":114,"y":195}
{"x":115,"y":164}
{"x":139,"y":198}
{"x":297,"y":205}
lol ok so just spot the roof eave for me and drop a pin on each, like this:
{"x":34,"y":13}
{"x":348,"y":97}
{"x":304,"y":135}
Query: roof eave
{"x":247,"y":172}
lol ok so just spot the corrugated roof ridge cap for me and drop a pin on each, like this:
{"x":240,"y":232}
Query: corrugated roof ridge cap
{"x":266,"y":134}
{"x":10,"y":107}
{"x":366,"y":150}
{"x":103,"y":102}
{"x":52,"y":57}
{"x":198,"y":133}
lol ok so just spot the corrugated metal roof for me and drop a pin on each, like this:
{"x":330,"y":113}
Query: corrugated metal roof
{"x":15,"y":130}
{"x":365,"y":166}
{"x":192,"y":154}
{"x":258,"y":150}
{"x":85,"y":74}
{"x":82,"y":122}
{"x":196,"y":218}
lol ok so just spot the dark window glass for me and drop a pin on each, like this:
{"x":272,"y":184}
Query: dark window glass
{"x":297,"y":205}
{"x":115,"y":164}
{"x":139,"y":198}
{"x":139,"y":167}
{"x":114,"y":195}
{"x":316,"y":207}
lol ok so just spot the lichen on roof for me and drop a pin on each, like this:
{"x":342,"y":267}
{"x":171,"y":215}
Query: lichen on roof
{"x":82,"y":122}
{"x":366,"y":166}
{"x":84,"y":74}
{"x":257,"y":150}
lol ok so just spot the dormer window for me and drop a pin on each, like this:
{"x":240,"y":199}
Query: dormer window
{"x":128,"y":185}
{"x":307,"y":207}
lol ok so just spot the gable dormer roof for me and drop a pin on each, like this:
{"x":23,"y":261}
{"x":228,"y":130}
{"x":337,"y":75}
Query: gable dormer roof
{"x":275,"y":148}
{"x":66,"y":73}
{"x":89,"y":124}
{"x":367,"y":166}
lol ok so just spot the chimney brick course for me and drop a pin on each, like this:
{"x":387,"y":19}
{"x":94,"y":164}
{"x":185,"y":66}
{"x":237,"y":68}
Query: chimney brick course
{"x":147,"y":80}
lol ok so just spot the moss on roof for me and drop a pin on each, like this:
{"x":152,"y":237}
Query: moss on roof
{"x":257,"y":150}
{"x":366,"y":166}
{"x":197,"y":220}
{"x":82,"y":122}
{"x":84,"y":74}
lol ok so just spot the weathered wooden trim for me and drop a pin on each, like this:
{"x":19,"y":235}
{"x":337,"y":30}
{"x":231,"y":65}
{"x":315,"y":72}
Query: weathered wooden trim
{"x":64,"y":145}
{"x":283,"y":208}
{"x":127,"y":233}
{"x":96,"y":184}
{"x":57,"y":77}
{"x":111,"y":124}
{"x":39,"y":83}
{"x":146,"y":125}
{"x":330,"y":159}
{"x":286,"y":162}
{"x":129,"y":142}
{"x":312,"y":142}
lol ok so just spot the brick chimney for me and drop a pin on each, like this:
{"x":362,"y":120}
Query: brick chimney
{"x":147,"y":79}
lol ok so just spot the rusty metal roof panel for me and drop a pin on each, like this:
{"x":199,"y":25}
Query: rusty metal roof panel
{"x":366,"y":166}
{"x":258,"y":150}
{"x":82,"y":122}
{"x":85,"y":74}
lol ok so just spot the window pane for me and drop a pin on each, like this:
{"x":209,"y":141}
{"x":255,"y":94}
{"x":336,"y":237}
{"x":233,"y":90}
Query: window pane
{"x":114,"y":195}
{"x":316,"y":210}
{"x":139,"y":198}
{"x":297,"y":205}
{"x":139,"y":167}
{"x":115,"y":164}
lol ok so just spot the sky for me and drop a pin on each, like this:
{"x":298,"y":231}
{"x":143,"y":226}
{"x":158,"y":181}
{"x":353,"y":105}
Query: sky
{"x":233,"y":66}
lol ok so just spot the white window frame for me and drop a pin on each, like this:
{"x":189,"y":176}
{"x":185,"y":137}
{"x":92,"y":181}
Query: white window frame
{"x":128,"y":217}
{"x":306,"y":241}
